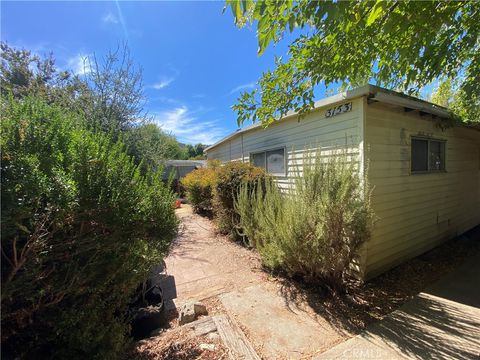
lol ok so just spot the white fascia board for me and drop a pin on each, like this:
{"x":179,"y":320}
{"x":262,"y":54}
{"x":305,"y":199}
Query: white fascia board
{"x":346,"y":95}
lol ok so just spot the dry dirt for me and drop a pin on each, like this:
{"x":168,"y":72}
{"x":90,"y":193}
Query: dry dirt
{"x":229,"y":278}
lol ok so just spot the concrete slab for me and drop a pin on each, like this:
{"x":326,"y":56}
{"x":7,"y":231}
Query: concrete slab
{"x":275,"y":328}
{"x":441,"y":323}
{"x":359,"y":347}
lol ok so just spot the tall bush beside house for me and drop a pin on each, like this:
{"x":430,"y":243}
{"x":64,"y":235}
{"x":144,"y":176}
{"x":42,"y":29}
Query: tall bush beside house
{"x":199,"y":186}
{"x":317,"y":229}
{"x":230,"y":178}
{"x":81,"y":227}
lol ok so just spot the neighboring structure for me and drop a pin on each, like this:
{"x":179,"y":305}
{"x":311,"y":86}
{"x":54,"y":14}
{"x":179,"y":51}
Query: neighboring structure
{"x":425,"y":179}
{"x":179,"y":168}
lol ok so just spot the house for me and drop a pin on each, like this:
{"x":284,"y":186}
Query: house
{"x":425,"y":177}
{"x":179,"y":168}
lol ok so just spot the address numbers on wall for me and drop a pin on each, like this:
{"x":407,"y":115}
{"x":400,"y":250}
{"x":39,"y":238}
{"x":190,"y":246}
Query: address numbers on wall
{"x":337,"y":110}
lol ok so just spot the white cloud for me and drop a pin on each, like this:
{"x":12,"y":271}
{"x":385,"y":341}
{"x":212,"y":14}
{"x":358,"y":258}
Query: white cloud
{"x":79,"y":64}
{"x":110,"y":18}
{"x":250,"y":85}
{"x":163,"y":83}
{"x":183,"y":123}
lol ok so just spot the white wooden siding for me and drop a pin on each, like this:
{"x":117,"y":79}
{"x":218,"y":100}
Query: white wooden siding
{"x":342,"y":131}
{"x":417,"y":212}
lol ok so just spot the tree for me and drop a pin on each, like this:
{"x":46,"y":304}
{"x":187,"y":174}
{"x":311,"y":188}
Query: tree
{"x":151,"y":146}
{"x":116,"y":89}
{"x":448,"y":94}
{"x":109,"y":98}
{"x":195,"y":152}
{"x":24,"y":74}
{"x":403,"y":45}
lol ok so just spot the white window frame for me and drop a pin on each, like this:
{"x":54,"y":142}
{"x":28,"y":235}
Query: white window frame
{"x":428,"y":140}
{"x":284,"y":148}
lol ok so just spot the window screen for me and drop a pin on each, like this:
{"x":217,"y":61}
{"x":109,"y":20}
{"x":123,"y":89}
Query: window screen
{"x":271,"y":160}
{"x":419,"y":155}
{"x":428,"y":155}
{"x":258,"y":159}
{"x":437,"y":155}
{"x":276,"y":161}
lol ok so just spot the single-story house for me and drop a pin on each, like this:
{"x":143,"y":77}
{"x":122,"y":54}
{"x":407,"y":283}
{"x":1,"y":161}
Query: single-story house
{"x":425,"y":176}
{"x":180,"y":168}
{"x":177,"y":169}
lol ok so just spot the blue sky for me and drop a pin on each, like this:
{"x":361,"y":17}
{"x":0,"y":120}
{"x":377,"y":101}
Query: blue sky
{"x":195,"y":61}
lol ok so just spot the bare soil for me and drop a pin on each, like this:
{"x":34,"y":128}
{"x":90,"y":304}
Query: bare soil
{"x":206,"y":266}
{"x":375,"y":299}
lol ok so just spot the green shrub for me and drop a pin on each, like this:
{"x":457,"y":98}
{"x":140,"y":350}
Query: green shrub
{"x":229,"y":179}
{"x":314,"y":231}
{"x":199,"y":185}
{"x":81,"y":228}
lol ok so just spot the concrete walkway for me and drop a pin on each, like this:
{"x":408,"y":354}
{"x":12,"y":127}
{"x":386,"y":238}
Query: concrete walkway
{"x":205,"y":266}
{"x":440,"y":323}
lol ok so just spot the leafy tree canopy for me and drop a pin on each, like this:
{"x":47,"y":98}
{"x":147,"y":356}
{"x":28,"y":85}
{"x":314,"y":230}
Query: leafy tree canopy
{"x":109,"y":97}
{"x":404,"y":45}
{"x":450,"y":95}
{"x":195,"y":152}
{"x":152,"y":146}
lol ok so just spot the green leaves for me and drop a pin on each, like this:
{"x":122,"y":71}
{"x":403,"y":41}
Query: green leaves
{"x":376,"y":12}
{"x":403,"y":45}
{"x":81,"y":228}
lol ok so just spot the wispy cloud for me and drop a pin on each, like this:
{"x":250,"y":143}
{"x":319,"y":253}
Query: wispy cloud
{"x":162,"y":83}
{"x":250,"y":85}
{"x":187,"y":127}
{"x":110,"y":18}
{"x":79,"y":64}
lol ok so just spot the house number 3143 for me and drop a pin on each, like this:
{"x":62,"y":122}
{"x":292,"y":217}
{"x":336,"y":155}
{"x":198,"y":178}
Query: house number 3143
{"x":337,"y":110}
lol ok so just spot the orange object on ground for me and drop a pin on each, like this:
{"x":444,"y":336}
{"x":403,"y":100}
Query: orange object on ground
{"x":178,"y":204}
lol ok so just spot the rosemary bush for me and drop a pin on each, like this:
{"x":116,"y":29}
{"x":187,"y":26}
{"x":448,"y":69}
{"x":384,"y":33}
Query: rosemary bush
{"x":316,"y":230}
{"x":81,"y":227}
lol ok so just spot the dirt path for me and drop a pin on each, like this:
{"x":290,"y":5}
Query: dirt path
{"x":203,"y":265}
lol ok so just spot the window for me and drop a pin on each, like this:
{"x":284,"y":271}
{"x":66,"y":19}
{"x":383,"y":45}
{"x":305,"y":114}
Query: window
{"x":271,"y":160}
{"x":428,"y":155}
{"x":258,"y":159}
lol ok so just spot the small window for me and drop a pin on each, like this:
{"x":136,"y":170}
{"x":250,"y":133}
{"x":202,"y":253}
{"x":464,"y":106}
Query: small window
{"x":258,"y":159}
{"x":276,"y":161}
{"x":273,"y":161}
{"x":428,"y":155}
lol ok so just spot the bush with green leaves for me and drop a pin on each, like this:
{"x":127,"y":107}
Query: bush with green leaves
{"x":316,"y":230}
{"x":199,"y":186}
{"x":230,"y":178}
{"x":81,"y":227}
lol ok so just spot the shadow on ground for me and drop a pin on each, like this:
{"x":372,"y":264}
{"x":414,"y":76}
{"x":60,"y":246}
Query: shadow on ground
{"x":372,"y":301}
{"x":430,"y":328}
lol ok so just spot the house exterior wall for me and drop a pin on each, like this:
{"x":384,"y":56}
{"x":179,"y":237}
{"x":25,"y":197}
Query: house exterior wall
{"x":416,"y":212}
{"x":342,"y":131}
